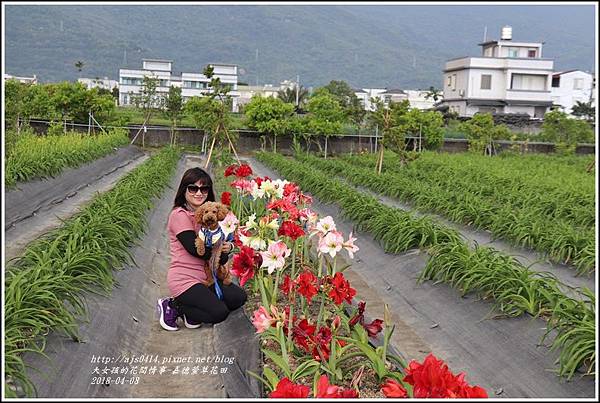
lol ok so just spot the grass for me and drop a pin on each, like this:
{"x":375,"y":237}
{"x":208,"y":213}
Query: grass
{"x":44,"y":287}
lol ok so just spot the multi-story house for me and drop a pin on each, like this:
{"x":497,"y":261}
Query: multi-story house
{"x":570,"y":87}
{"x":416,"y":98}
{"x":508,"y":77}
{"x":192,"y":84}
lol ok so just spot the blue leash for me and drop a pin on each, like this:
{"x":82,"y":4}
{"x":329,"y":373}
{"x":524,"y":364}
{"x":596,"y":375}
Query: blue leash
{"x":208,"y":239}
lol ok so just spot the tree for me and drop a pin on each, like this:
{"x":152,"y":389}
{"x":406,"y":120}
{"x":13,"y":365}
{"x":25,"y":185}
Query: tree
{"x":79,"y":66}
{"x":115,"y":93}
{"x":433,"y":93}
{"x":269,"y":115}
{"x":565,"y":132}
{"x":212,"y":114}
{"x":585,"y":110}
{"x":147,"y":101}
{"x":427,"y":125}
{"x":15,"y":93}
{"x":388,"y":120}
{"x":288,"y":95}
{"x":482,"y":132}
{"x":325,"y":116}
{"x":173,"y":108}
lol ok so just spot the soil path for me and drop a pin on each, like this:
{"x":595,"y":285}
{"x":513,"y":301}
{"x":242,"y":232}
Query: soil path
{"x":502,"y":356}
{"x":123,"y":334}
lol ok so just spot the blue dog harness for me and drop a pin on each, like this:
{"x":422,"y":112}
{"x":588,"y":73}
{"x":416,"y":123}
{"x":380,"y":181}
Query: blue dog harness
{"x":210,"y":238}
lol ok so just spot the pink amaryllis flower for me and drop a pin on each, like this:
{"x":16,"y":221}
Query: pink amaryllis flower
{"x":331,"y":243}
{"x":325,"y":225}
{"x":349,"y":246}
{"x":243,"y":186}
{"x":229,"y":223}
{"x":262,"y":320}
{"x":274,"y":257}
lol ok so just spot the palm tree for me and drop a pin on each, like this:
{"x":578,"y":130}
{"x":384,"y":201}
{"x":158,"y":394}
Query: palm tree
{"x":288,"y":95}
{"x":79,"y":66}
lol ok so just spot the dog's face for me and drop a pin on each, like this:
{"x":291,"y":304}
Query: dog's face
{"x":210,"y":213}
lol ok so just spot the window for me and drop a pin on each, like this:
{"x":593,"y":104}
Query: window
{"x":486,"y":81}
{"x":531,"y":53}
{"x":556,"y":82}
{"x":163,"y":83}
{"x":513,"y":52}
{"x":578,"y":84}
{"x":449,"y":80}
{"x":453,"y":81}
{"x":194,"y":84}
{"x":539,"y":112}
{"x":531,"y":82}
{"x":131,"y":81}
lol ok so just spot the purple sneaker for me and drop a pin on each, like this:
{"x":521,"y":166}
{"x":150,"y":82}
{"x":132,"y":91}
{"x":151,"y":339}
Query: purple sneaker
{"x":167,"y":315}
{"x":190,"y":324}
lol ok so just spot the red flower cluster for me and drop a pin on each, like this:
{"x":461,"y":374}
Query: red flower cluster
{"x":312,"y":341}
{"x":260,"y":180}
{"x":305,"y":284}
{"x":341,"y":289}
{"x":244,"y":264}
{"x":285,"y":206}
{"x":226,"y":198}
{"x":288,"y":389}
{"x":392,"y":388}
{"x":372,"y":328}
{"x":241,"y":171}
{"x":288,"y":228}
{"x":434,"y":379}
{"x":325,"y":390}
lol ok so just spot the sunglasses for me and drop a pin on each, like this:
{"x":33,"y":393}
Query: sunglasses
{"x":194,"y":189}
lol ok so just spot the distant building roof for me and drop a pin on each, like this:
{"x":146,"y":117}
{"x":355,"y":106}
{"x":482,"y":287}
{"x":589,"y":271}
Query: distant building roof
{"x":359,"y":91}
{"x":157,"y":60}
{"x":565,"y":72}
{"x":395,"y":91}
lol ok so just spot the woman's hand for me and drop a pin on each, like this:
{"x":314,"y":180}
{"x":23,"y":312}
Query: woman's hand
{"x":227,"y":247}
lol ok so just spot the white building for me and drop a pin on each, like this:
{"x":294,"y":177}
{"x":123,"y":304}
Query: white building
{"x":416,"y":98}
{"x":104,"y":83}
{"x":25,"y":80}
{"x":192,"y":84}
{"x":248,"y":91}
{"x":509,"y":77}
{"x":569,"y":87}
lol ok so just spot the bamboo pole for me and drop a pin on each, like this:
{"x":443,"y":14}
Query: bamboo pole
{"x":210,"y":151}
{"x":232,"y":147}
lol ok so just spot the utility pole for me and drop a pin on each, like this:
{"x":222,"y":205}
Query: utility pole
{"x":256,"y":67}
{"x":297,"y":88}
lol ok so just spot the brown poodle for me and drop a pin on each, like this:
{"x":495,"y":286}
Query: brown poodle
{"x":208,"y":216}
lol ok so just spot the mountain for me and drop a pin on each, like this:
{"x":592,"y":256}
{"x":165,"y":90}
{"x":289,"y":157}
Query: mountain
{"x":393,"y":46}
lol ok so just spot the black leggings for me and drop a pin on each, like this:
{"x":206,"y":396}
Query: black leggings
{"x":200,"y":303}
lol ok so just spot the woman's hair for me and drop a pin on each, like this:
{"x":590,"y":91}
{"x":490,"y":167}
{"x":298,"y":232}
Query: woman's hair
{"x":190,"y":177}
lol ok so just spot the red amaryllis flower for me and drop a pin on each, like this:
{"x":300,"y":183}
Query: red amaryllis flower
{"x":303,"y":333}
{"x":391,"y":388}
{"x":226,"y":198}
{"x":230,"y":170}
{"x":359,"y":317}
{"x":290,"y":188}
{"x":288,"y":228}
{"x":374,"y":327}
{"x":325,"y":390}
{"x":287,"y":285}
{"x":288,"y":389}
{"x":307,"y":285}
{"x":260,"y":180}
{"x":434,"y":379}
{"x":244,"y":264}
{"x":341,"y":289}
{"x":243,"y":170}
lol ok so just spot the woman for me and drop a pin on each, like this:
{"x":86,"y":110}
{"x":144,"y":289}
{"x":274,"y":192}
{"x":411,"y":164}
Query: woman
{"x":186,"y":278}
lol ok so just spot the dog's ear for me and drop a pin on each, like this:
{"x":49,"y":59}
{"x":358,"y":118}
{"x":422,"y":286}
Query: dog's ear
{"x":223,"y":211}
{"x":200,"y":211}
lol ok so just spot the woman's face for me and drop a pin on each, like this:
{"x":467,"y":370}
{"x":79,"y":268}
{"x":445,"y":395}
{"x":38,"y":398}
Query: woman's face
{"x":196,"y":194}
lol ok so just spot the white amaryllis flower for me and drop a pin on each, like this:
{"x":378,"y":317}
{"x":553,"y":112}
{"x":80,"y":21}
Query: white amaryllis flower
{"x":265,"y":223}
{"x":349,"y":246}
{"x":331,"y":243}
{"x":274,"y":257}
{"x":325,"y":225}
{"x":251,"y":223}
{"x":279,"y":187}
{"x":257,"y":192}
{"x":253,"y":241}
{"x":229,"y":223}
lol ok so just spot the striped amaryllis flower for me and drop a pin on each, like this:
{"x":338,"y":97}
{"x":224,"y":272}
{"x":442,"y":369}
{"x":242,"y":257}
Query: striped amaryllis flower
{"x":274,"y":257}
{"x":331,"y":243}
